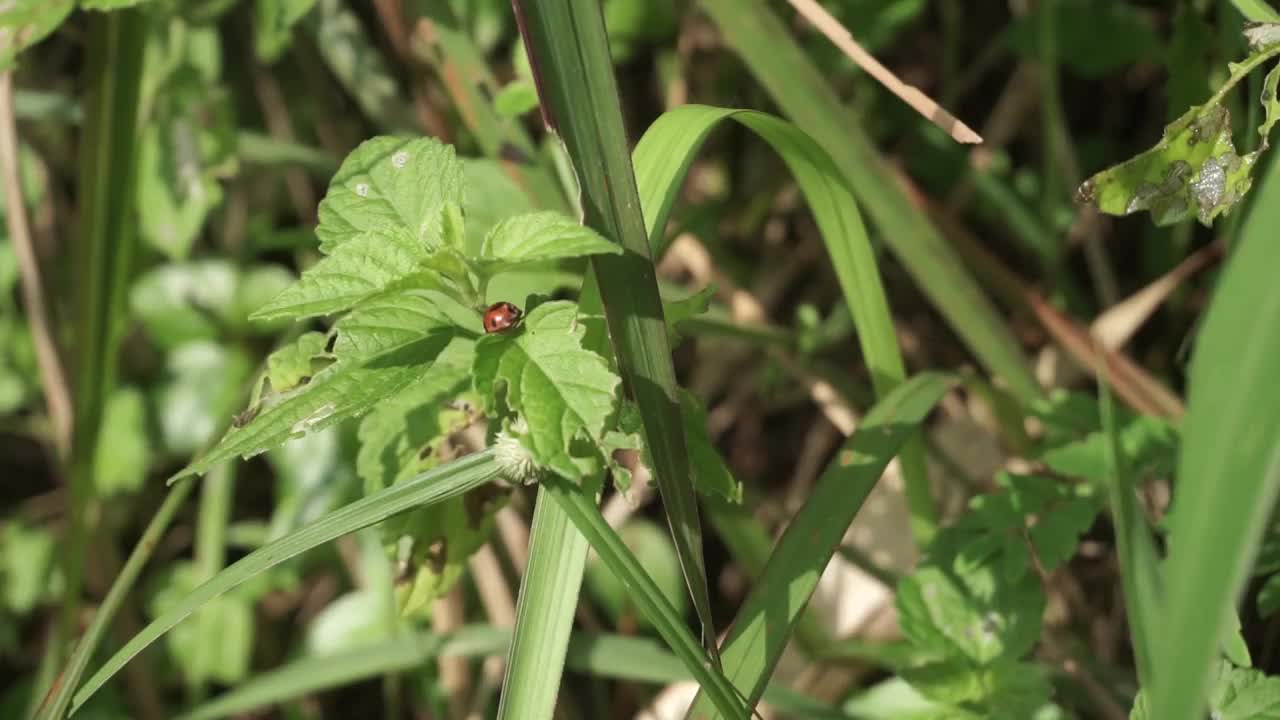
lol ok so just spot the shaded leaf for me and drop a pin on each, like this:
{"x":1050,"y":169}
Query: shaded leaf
{"x":24,"y":23}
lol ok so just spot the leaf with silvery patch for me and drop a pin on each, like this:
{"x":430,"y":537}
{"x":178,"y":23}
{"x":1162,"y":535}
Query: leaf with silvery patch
{"x":1261,"y":35}
{"x":1195,"y":170}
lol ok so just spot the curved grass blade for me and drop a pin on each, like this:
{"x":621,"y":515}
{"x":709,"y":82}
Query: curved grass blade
{"x":763,"y":625}
{"x":663,"y":157}
{"x":435,"y":485}
{"x":102,"y":264}
{"x":601,"y":655}
{"x":644,"y":592}
{"x":56,"y":704}
{"x":799,"y":88}
{"x":569,"y":54}
{"x":1228,"y":465}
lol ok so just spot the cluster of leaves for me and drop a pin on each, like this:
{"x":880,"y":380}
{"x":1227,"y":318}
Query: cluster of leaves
{"x":1195,"y":169}
{"x":973,"y":608}
{"x":408,"y":354}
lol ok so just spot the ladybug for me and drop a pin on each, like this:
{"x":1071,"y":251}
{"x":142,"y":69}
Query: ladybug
{"x":501,"y":316}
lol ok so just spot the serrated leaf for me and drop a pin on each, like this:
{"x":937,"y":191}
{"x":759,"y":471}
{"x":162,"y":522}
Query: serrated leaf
{"x":399,"y":429}
{"x":391,"y":182}
{"x":387,"y":322}
{"x":563,"y":392}
{"x":340,"y":391}
{"x":980,"y":615}
{"x":26,"y":22}
{"x":539,"y":237}
{"x":357,"y":269}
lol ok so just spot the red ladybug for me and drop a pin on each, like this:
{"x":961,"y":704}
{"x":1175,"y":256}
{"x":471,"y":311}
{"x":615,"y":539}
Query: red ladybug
{"x":501,"y":316}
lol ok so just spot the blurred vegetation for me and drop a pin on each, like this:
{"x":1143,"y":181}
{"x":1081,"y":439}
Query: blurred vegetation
{"x":816,"y":412}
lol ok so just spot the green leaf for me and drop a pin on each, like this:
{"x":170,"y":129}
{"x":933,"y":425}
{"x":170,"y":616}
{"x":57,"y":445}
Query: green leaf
{"x":180,"y":302}
{"x":342,"y":390}
{"x":387,"y":322}
{"x":1229,"y":464}
{"x":28,"y":566}
{"x":217,"y":644}
{"x":201,"y":392}
{"x":431,"y":487}
{"x":976,"y":613}
{"x":379,"y":223}
{"x":409,"y":424}
{"x":273,"y":26}
{"x":516,"y":98}
{"x":24,"y":23}
{"x":354,"y":271}
{"x":563,"y":392}
{"x":391,"y":181}
{"x":539,"y":237}
{"x":296,"y":363}
{"x":188,"y":145}
{"x":441,"y":539}
{"x":1235,"y":694}
{"x":1005,"y":690}
{"x":1194,"y":170}
{"x":123,"y":449}
{"x":711,"y":476}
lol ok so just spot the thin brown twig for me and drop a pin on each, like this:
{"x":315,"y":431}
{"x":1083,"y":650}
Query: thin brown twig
{"x":911,"y":95}
{"x":57,"y":392}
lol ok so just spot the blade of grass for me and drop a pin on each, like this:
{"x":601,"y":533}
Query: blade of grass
{"x":435,"y":485}
{"x":104,"y":258}
{"x":569,"y":54}
{"x":56,"y":704}
{"x":601,"y":655}
{"x":645,"y":594}
{"x":1139,"y":564}
{"x":544,"y":613}
{"x":663,"y":157}
{"x":800,"y":89}
{"x":1229,"y":461}
{"x":763,"y":625}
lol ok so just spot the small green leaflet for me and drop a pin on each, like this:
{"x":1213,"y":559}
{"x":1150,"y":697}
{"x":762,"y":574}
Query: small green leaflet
{"x":538,"y":237}
{"x":565,"y":394}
